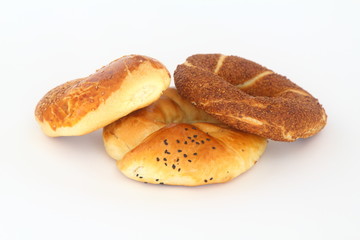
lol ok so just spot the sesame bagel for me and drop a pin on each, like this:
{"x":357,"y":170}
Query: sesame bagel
{"x":249,"y":97}
{"x":87,"y":104}
{"x":172,"y":142}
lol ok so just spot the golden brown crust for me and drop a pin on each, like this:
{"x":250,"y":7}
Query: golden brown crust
{"x":169,"y":108}
{"x":172,"y":142}
{"x":67,"y":104}
{"x":249,"y":97}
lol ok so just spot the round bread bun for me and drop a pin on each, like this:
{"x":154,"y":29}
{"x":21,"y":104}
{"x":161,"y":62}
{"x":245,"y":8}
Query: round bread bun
{"x":172,"y":142}
{"x":87,"y":104}
{"x":249,"y":97}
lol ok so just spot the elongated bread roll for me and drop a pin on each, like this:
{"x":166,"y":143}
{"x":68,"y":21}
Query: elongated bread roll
{"x":87,"y":104}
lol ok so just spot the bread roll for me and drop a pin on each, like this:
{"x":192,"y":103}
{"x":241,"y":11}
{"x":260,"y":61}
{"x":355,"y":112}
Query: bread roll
{"x":172,"y":142}
{"x":87,"y":104}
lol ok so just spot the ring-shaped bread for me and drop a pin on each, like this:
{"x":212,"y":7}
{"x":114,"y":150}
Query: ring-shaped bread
{"x":249,"y":97}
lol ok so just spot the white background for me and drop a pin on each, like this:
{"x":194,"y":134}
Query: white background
{"x":68,"y":188}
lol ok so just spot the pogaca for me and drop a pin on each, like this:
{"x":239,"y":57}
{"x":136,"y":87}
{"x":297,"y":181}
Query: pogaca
{"x":172,"y":142}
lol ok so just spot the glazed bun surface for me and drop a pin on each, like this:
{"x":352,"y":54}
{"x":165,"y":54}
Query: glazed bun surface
{"x":172,"y":142}
{"x":87,"y":104}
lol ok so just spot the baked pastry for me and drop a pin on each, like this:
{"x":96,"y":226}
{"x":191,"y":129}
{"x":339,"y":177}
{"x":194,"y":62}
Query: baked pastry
{"x":87,"y":104}
{"x":172,"y":142}
{"x":249,"y":97}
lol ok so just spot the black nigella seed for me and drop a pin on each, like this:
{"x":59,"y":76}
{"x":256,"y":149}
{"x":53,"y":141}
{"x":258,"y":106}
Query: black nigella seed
{"x":179,"y":150}
{"x":140,"y":177}
{"x":185,"y":155}
{"x":161,"y":183}
{"x":202,"y":141}
{"x":189,"y":160}
{"x":179,"y":169}
{"x":145,"y":182}
{"x":137,"y":175}
{"x":165,"y":164}
{"x":208,"y":139}
{"x":189,"y":137}
{"x":193,"y":140}
{"x":173,"y":166}
{"x":165,"y":159}
{"x":165,"y":142}
{"x":195,"y":154}
{"x":186,"y":129}
{"x":157,"y":179}
{"x":185,"y":142}
{"x":177,"y":160}
{"x":242,"y":150}
{"x":195,"y":136}
{"x":177,"y":140}
{"x":166,"y":151}
{"x":211,"y":178}
{"x":213,"y":147}
{"x":157,"y":159}
{"x":194,"y":128}
{"x":197,"y":143}
{"x":205,"y":180}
